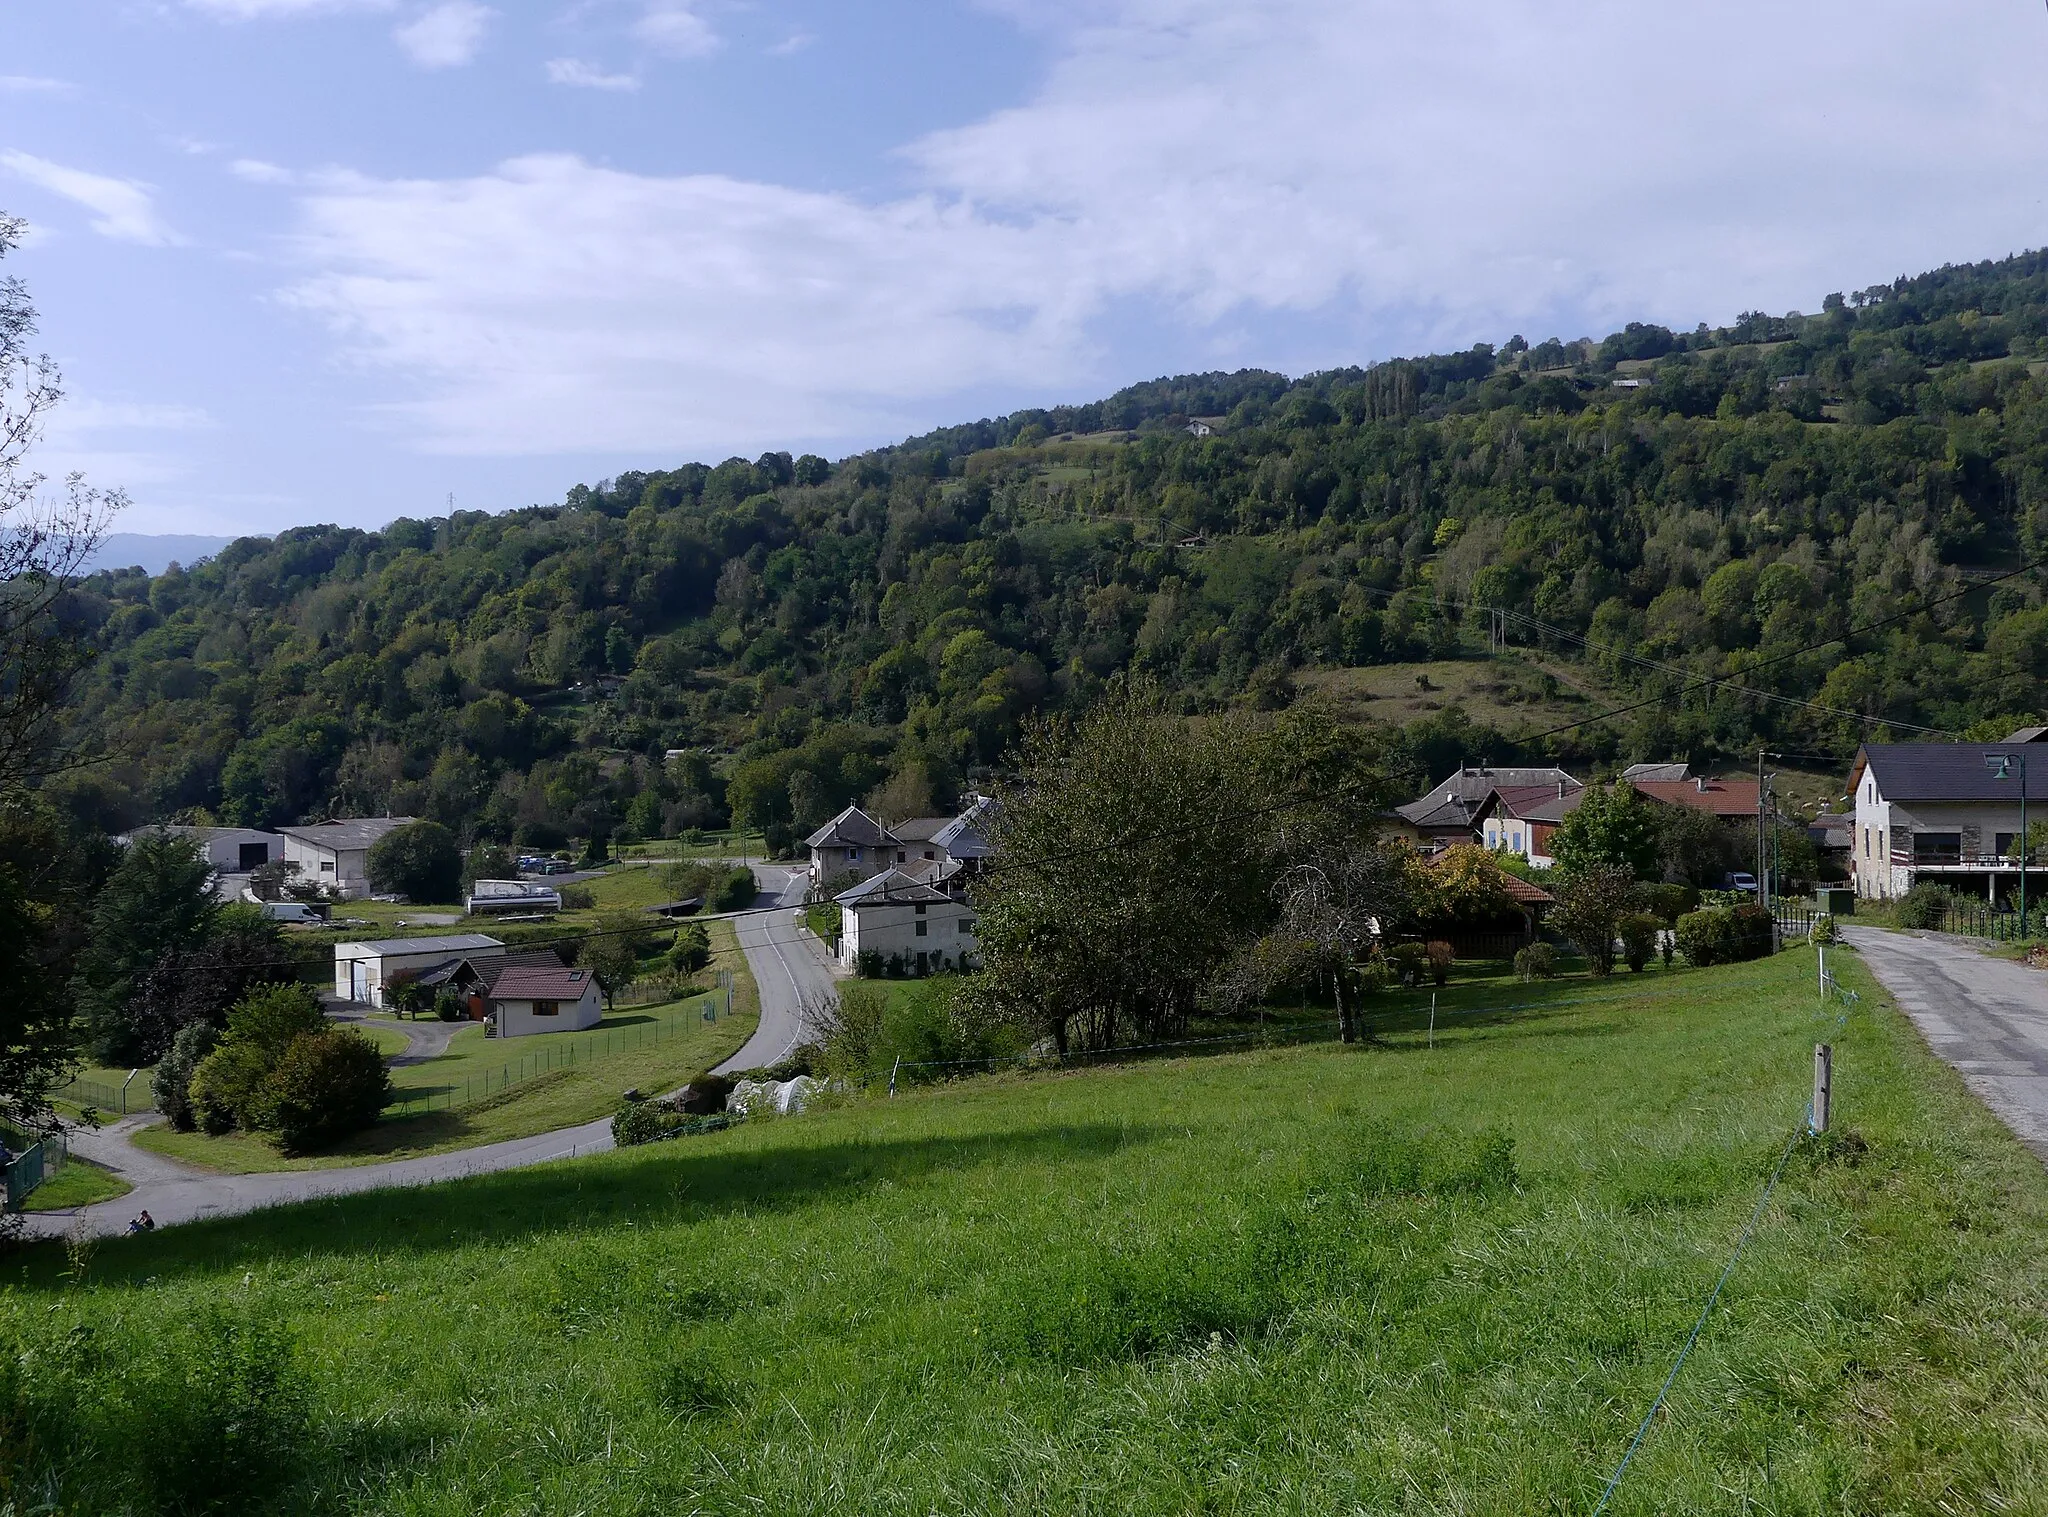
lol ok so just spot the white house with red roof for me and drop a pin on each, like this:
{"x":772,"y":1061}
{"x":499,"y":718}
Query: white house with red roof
{"x":533,"y":999}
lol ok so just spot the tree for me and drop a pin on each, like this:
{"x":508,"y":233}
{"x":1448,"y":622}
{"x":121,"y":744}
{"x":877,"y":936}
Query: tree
{"x":488,"y":861}
{"x":1698,"y":848}
{"x":159,"y":901}
{"x":612,"y":952}
{"x":1465,"y":883}
{"x":419,"y":861}
{"x":1612,"y":825}
{"x":172,"y":1082}
{"x":903,"y":795}
{"x":691,"y":950}
{"x":1135,"y":856}
{"x":1591,"y":903}
{"x":197,"y":984}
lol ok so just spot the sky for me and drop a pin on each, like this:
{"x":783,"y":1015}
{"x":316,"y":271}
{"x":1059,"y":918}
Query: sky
{"x":344,"y":260}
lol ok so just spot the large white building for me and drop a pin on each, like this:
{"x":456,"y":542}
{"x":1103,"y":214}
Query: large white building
{"x":912,"y":928}
{"x":1948,"y":812}
{"x":361,"y":970}
{"x":337,"y":854}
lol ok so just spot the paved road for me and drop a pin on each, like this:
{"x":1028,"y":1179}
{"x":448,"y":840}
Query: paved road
{"x":1987,"y":1016}
{"x":787,"y":964}
{"x":790,"y":966}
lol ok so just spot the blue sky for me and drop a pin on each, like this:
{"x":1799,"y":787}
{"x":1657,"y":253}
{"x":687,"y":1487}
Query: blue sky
{"x":335,"y":260}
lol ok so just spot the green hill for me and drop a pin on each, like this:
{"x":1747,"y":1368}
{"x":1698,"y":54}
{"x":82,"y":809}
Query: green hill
{"x":1312,"y":1280}
{"x":1649,"y":507}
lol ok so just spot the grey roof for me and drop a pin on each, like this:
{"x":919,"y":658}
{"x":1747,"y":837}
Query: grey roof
{"x":1665,"y":772}
{"x":921,"y":829}
{"x":852,"y":828}
{"x":452,"y":943}
{"x":213,"y":834}
{"x":2028,"y":735}
{"x":964,"y":837}
{"x":1454,"y":803}
{"x":348,"y":836}
{"x":1948,"y":772}
{"x":892,"y":887}
{"x":930,"y":871}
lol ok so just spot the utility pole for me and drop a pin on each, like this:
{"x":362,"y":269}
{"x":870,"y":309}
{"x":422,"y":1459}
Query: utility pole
{"x":1763,"y":879}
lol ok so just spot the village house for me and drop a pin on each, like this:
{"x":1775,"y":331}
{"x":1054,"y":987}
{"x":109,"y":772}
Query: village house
{"x":1521,"y":819}
{"x":1455,"y":811}
{"x":363,"y":970}
{"x":337,"y":854}
{"x":535,"y":998}
{"x":940,"y":851}
{"x":910,"y":927}
{"x":1947,"y":812}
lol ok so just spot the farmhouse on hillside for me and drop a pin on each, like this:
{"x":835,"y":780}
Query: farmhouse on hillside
{"x":909,"y":927}
{"x":940,"y":851}
{"x":1947,"y":812}
{"x":337,"y":854}
{"x":362,"y":970}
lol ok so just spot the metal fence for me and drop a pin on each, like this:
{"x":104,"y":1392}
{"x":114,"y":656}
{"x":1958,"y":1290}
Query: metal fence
{"x":1979,"y":919}
{"x":29,"y":1169}
{"x":1793,"y":921}
{"x":138,"y":1093}
{"x":561,"y":1051}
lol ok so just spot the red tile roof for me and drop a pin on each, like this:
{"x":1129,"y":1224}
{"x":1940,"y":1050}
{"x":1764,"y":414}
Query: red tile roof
{"x":541,"y":984}
{"x":1725,"y":798}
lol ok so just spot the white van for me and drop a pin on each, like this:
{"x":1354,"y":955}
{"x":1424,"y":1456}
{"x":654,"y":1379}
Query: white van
{"x":291,"y":911}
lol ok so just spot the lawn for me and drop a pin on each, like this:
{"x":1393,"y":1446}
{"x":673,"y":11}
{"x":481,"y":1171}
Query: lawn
{"x":655,"y":1049}
{"x":79,"y":1183}
{"x":1300,"y":1280}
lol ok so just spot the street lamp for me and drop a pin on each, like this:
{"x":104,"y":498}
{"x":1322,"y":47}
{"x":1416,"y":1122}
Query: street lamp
{"x":2001,"y":767}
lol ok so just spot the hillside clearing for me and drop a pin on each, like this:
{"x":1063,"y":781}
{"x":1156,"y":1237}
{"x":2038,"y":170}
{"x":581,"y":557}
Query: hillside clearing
{"x":1303,"y":1280}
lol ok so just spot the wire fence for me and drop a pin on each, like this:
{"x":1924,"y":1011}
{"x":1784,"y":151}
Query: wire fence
{"x":27,"y":1170}
{"x":557,"y":1051}
{"x":137,"y":1094}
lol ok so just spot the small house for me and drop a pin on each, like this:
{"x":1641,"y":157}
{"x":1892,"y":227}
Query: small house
{"x":361,"y":970}
{"x":534,"y":999}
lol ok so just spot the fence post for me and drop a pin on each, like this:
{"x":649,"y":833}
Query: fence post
{"x":1823,"y":1085}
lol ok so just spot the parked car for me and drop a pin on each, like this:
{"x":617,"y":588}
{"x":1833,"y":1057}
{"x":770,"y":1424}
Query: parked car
{"x":1742,"y":881}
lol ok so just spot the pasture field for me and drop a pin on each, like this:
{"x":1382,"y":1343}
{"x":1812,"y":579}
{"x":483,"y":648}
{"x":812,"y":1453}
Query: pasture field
{"x":1308,"y":1279}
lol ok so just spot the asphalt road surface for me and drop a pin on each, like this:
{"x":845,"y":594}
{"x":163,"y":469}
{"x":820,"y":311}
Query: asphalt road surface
{"x":1987,"y":1016}
{"x":788,"y":965}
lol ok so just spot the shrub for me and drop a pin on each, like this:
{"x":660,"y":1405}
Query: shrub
{"x":577,"y":898}
{"x":419,"y":861}
{"x":326,"y":1086}
{"x":172,"y":1082}
{"x":227,"y":1088}
{"x":638,"y":1122}
{"x":1725,"y":934}
{"x":272,"y":1017}
{"x":1591,"y":902}
{"x":1538,"y":961}
{"x":868,"y":964}
{"x":691,"y":950}
{"x":1668,"y":902}
{"x":1410,"y":961}
{"x":1440,"y":956}
{"x":1924,"y":905}
{"x":1639,"y":936}
{"x":1824,"y":931}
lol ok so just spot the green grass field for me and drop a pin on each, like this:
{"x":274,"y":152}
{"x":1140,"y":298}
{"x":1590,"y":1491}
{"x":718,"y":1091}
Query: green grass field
{"x":79,"y":1183}
{"x":1305,"y":1280}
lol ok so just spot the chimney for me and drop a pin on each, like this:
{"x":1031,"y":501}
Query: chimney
{"x":1700,"y":784}
{"x":1560,"y":789}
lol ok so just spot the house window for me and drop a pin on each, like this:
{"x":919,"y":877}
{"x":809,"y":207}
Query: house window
{"x":853,"y":854}
{"x":901,"y":856}
{"x":922,"y":926}
{"x":2004,"y":845}
{"x":327,"y":866}
{"x":1937,"y":848}
{"x":547,"y":1008}
{"x":1866,"y":842}
{"x":920,"y":908}
{"x":929,"y":854}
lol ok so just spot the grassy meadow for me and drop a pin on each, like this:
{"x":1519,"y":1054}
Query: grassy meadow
{"x":1301,"y":1280}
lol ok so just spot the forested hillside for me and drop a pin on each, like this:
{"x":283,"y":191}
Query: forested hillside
{"x":1712,"y":500}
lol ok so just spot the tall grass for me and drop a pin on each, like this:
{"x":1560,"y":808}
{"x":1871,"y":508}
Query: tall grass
{"x":1313,"y":1279}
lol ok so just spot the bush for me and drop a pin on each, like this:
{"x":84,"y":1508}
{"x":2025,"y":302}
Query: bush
{"x":691,"y":950}
{"x":1440,"y":956}
{"x":576,"y":897}
{"x":326,"y":1086}
{"x":638,"y":1122}
{"x":419,"y":861}
{"x":1410,"y":961}
{"x":1639,"y":934}
{"x":272,"y":1017}
{"x":1538,"y":961}
{"x":1668,"y":902}
{"x":1590,"y":905}
{"x":172,"y":1083}
{"x":227,"y":1089}
{"x":1725,"y":934}
{"x":1924,"y":906}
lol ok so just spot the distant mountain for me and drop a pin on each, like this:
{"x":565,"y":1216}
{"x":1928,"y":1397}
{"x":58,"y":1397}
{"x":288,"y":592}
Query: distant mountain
{"x":153,"y":552}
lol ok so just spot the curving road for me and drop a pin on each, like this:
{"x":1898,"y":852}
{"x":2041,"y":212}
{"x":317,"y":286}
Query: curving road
{"x":788,"y":964}
{"x":790,"y":967}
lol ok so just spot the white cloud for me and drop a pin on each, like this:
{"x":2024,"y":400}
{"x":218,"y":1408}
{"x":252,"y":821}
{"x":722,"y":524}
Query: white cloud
{"x":257,"y":171}
{"x":795,"y":42}
{"x":122,"y":208}
{"x":675,"y":27}
{"x":30,"y":84}
{"x":1343,"y":179}
{"x":447,"y":36}
{"x":574,"y":71}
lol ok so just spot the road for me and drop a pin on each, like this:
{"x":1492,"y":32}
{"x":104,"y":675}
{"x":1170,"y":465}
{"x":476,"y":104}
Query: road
{"x":1986,"y":1016}
{"x":787,"y":965}
{"x":790,"y":966}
